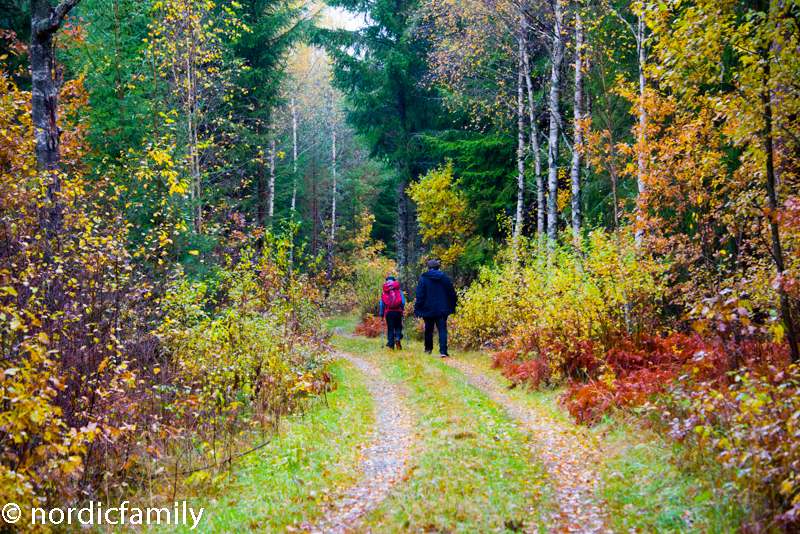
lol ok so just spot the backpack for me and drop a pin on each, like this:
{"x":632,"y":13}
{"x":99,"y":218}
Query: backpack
{"x":392,"y":298}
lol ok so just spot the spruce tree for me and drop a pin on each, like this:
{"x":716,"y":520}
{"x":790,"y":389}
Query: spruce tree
{"x":275,"y":27}
{"x":380,"y":68}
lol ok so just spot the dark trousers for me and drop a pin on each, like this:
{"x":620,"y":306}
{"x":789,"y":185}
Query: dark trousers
{"x":441,"y":325}
{"x":394,"y":327}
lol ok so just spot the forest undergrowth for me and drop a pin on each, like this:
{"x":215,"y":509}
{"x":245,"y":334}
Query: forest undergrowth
{"x":591,"y":324}
{"x":115,"y":379}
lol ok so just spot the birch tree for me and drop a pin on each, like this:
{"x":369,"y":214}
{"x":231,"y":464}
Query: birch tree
{"x":521,"y":144}
{"x":554,"y":106}
{"x":536,"y":150}
{"x":480,"y":51}
{"x":45,"y":22}
{"x":272,"y":155}
{"x":189,"y":46}
{"x":577,"y":150}
{"x":334,"y":125}
{"x":639,"y":34}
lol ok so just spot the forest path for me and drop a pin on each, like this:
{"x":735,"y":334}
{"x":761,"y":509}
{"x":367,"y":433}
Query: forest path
{"x":383,"y":463}
{"x":571,"y":462}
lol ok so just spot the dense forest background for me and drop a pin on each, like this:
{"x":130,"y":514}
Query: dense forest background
{"x":189,"y":185}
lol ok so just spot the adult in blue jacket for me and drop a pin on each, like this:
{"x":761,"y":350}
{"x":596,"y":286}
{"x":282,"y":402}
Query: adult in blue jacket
{"x":436,"y":299}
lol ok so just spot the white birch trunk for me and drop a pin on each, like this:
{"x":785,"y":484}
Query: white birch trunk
{"x":535,"y":149}
{"x":555,"y":124}
{"x":577,"y":152}
{"x":642,"y":54}
{"x":333,"y":200}
{"x":271,"y":208}
{"x":520,"y":140}
{"x":294,"y":155}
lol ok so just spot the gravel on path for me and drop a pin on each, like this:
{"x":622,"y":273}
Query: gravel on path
{"x":569,"y":459}
{"x":384,"y":462}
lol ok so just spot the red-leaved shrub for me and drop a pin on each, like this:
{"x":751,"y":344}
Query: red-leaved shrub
{"x":370,"y":327}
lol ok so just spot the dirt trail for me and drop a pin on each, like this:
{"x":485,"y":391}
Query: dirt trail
{"x":384,"y":462}
{"x":569,"y":460}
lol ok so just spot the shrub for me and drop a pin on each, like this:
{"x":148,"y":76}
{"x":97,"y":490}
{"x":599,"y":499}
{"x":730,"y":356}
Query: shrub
{"x":371,"y":273}
{"x":370,"y":327}
{"x":445,"y":221}
{"x":561,"y":308}
{"x":750,"y":425}
{"x":369,"y":269}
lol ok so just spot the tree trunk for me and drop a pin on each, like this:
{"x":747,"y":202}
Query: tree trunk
{"x":262,"y":194}
{"x":642,"y":137}
{"x":294,"y":176}
{"x":535,"y":149}
{"x":120,"y":98}
{"x":520,"y":137}
{"x":271,"y":210}
{"x":156,"y":114}
{"x":45,"y":21}
{"x":314,"y":212}
{"x":402,"y":231}
{"x":772,"y":197}
{"x":577,"y":152}
{"x":194,"y":146}
{"x":294,"y":156}
{"x":333,"y":202}
{"x":555,"y":125}
{"x":261,"y":184}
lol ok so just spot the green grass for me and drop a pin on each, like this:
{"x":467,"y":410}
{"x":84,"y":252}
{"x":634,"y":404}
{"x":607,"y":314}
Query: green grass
{"x":311,"y":461}
{"x":348,"y":322}
{"x":644,"y":485}
{"x":473,"y":471}
{"x":646,"y":489}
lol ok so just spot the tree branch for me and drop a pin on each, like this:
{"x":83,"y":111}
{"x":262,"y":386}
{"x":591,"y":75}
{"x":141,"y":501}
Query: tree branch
{"x":57,"y":14}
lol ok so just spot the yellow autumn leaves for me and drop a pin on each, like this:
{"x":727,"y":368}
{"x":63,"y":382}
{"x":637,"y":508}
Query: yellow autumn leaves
{"x":442,"y":211}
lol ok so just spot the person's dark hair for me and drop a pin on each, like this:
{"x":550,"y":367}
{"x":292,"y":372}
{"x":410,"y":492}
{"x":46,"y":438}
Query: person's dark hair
{"x":433,"y":264}
{"x":390,"y":279}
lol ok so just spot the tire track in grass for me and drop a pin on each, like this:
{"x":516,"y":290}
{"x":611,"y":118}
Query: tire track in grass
{"x":384,"y":463}
{"x":569,"y":460}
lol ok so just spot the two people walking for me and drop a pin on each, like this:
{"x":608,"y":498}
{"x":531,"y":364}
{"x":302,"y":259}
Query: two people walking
{"x":436,"y":299}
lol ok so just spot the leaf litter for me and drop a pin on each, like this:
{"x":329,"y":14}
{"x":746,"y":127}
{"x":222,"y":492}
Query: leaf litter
{"x":384,"y":462}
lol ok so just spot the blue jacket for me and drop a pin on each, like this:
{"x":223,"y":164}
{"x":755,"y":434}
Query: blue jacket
{"x":436,"y":295}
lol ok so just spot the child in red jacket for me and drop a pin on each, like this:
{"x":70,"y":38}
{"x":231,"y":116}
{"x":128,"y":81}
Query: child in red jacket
{"x":393,"y":304}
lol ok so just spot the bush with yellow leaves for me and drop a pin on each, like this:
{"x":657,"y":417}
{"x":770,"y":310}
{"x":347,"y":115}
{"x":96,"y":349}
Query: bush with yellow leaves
{"x":248,"y":344}
{"x":552,"y":301}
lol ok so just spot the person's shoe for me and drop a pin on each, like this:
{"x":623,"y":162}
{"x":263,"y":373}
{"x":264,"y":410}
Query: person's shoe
{"x":444,"y":355}
{"x":399,"y":346}
{"x":428,"y":351}
{"x":390,"y":347}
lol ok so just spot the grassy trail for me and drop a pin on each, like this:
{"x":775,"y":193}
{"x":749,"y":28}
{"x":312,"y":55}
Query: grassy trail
{"x":468,"y":462}
{"x":478,"y":471}
{"x":474,"y":468}
{"x":310,"y":463}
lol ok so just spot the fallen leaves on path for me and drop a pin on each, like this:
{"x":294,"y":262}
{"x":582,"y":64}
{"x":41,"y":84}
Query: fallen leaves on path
{"x":383,"y":463}
{"x":570,"y":458}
